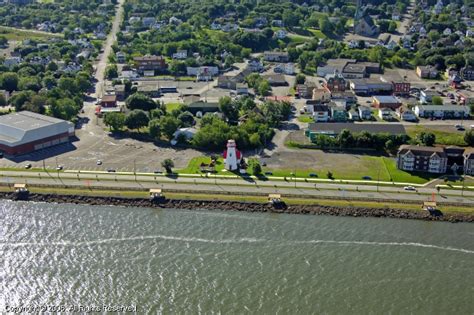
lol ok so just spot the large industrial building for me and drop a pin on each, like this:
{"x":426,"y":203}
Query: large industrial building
{"x":24,"y":132}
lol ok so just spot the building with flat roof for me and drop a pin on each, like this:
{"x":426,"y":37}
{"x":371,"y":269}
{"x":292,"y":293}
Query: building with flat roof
{"x":386,"y":101}
{"x":25,"y":131}
{"x":333,"y":129}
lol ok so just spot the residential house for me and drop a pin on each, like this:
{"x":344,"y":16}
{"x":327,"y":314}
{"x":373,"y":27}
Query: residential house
{"x":109,"y":101}
{"x":338,"y":113}
{"x":320,"y":112}
{"x":335,"y":83}
{"x":386,"y":114}
{"x":278,"y":23}
{"x":427,"y":72}
{"x":276,"y":80}
{"x":438,"y":8}
{"x":354,"y":115}
{"x":470,"y":33}
{"x":203,"y":107}
{"x":365,"y":26}
{"x":347,"y":97}
{"x":12,"y":61}
{"x":275,"y":56}
{"x":148,"y":21}
{"x":467,"y":73}
{"x":120,"y":91}
{"x":405,"y":114}
{"x":174,"y":20}
{"x":120,"y":56}
{"x":281,"y":34}
{"x":321,"y":95}
{"x":466,"y":97}
{"x":203,"y":73}
{"x":255,"y":65}
{"x":422,"y":33}
{"x":365,"y":113}
{"x":442,"y":111}
{"x":422,"y":159}
{"x":180,"y":54}
{"x":305,"y":90}
{"x":447,"y":31}
{"x":386,"y":101}
{"x":242,"y":89}
{"x":469,"y":161}
{"x":226,"y":82}
{"x":149,"y":63}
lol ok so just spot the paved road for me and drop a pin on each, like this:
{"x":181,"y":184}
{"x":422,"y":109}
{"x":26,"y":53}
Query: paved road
{"x":303,"y":189}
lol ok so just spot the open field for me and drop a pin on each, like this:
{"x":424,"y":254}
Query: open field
{"x":445,"y":135}
{"x":20,"y":34}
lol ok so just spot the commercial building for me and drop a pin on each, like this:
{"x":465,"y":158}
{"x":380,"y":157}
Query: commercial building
{"x":24,"y":132}
{"x":149,"y":63}
{"x":386,"y":102}
{"x":427,"y":72}
{"x":400,"y":86}
{"x":370,"y":87}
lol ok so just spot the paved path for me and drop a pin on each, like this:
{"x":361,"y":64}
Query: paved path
{"x":302,"y":189}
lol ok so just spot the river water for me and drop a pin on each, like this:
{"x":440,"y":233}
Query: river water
{"x":179,"y":261}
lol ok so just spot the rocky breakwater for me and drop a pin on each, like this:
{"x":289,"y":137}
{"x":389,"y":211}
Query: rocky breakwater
{"x":246,"y":206}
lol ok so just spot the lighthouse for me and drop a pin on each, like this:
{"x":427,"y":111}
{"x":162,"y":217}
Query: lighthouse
{"x":232,"y":156}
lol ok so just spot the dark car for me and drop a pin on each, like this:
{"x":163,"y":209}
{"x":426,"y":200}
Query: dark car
{"x":313,"y":175}
{"x":158,"y":172}
{"x":268,"y":173}
{"x":28,"y":166}
{"x":111,"y":170}
{"x":367,"y":178}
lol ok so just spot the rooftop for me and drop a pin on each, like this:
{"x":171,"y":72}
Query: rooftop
{"x":386,"y":99}
{"x":26,"y":120}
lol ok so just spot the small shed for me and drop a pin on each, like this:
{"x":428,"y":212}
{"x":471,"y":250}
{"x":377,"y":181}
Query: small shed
{"x":20,"y":188}
{"x":274,"y":198}
{"x":156,"y":193}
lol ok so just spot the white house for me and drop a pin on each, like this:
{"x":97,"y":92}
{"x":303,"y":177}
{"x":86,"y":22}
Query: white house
{"x":447,"y":31}
{"x":386,"y":114}
{"x":281,"y":34}
{"x":442,"y":111}
{"x":180,"y":54}
{"x":405,"y":114}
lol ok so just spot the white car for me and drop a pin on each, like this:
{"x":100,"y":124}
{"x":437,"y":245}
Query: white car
{"x":99,"y":162}
{"x":409,"y":188}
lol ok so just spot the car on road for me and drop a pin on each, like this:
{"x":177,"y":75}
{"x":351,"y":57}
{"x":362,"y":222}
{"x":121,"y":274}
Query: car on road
{"x":99,"y":162}
{"x":59,"y":168}
{"x":409,"y":188}
{"x":28,"y":166}
{"x":111,"y":170}
{"x":367,"y":178}
{"x":313,"y":175}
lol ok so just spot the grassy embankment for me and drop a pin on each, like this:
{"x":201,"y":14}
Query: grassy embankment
{"x":444,"y":134}
{"x":247,"y":198}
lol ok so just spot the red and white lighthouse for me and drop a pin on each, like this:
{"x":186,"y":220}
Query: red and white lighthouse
{"x":232,"y":156}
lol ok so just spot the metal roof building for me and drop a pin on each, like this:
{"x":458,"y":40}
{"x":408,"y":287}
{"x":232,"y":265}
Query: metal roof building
{"x":26,"y":131}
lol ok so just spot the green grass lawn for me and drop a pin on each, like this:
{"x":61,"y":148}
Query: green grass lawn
{"x":443,"y":137}
{"x":19,"y":34}
{"x":305,"y":118}
{"x":376,"y":167}
{"x":172,"y":106}
{"x":317,"y":33}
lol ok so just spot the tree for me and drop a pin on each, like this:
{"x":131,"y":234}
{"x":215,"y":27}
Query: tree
{"x":111,"y":72}
{"x":186,"y":119}
{"x":264,"y":88}
{"x":140,"y":101}
{"x":169,"y":125}
{"x":154,"y":129}
{"x":228,"y":108}
{"x":168,"y":164}
{"x":64,"y":108}
{"x":67,"y":84}
{"x":3,"y":41}
{"x":330,"y":175}
{"x":469,"y":137}
{"x":427,"y":138}
{"x":115,"y":121}
{"x":300,"y":78}
{"x":136,"y":119}
{"x":437,"y":100}
{"x":392,"y":27}
{"x":345,"y":139}
{"x":3,"y":101}
{"x":9,"y":81}
{"x":256,"y":168}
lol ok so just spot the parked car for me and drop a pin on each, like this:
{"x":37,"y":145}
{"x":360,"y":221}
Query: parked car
{"x":268,"y":173}
{"x":111,"y":170}
{"x":313,"y":175}
{"x":367,"y":178}
{"x":59,"y":168}
{"x":99,"y":162}
{"x":28,"y":166}
{"x":409,"y":188}
{"x":158,"y":172}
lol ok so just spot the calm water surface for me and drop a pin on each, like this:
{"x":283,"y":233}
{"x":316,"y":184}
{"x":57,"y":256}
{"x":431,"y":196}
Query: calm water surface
{"x":177,"y":261}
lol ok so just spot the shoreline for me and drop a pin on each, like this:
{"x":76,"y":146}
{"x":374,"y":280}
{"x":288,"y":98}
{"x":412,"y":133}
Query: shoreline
{"x":222,"y":205}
